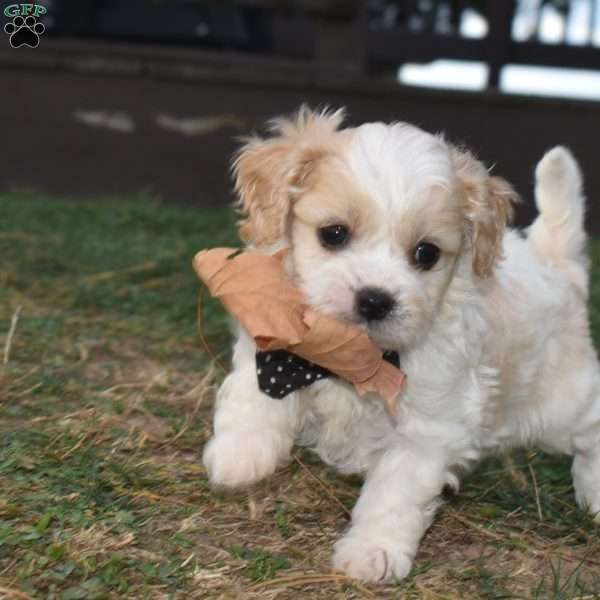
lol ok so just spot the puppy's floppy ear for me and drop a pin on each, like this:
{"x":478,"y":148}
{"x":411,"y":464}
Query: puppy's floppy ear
{"x":270,"y":173}
{"x":488,"y":207}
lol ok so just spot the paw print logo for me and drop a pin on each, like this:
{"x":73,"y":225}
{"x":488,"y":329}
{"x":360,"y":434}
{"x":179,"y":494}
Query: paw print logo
{"x":24,"y":32}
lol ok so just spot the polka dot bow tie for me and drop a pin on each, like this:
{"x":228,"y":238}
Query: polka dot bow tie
{"x":280,"y":372}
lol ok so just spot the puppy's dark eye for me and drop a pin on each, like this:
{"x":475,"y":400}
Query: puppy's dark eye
{"x":426,"y":255}
{"x":334,"y":236}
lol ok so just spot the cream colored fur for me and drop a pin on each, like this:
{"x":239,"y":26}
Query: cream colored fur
{"x":494,"y":340}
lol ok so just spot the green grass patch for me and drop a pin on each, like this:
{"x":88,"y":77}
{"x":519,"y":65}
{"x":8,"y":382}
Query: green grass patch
{"x":262,"y":565}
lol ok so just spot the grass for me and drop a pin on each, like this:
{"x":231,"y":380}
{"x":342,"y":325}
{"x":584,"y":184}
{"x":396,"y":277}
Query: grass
{"x":106,"y":400}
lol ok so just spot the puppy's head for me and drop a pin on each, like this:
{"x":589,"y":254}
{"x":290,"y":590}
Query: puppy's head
{"x":376,"y":217}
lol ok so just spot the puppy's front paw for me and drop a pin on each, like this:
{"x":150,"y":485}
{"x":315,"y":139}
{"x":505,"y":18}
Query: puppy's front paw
{"x":370,"y":559}
{"x":240,"y":458}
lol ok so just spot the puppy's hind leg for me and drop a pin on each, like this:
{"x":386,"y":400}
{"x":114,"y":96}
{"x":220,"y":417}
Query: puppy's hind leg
{"x":253,"y":433}
{"x":586,"y":470}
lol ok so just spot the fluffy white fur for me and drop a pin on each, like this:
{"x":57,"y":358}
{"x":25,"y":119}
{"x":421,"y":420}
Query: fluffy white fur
{"x":494,"y":339}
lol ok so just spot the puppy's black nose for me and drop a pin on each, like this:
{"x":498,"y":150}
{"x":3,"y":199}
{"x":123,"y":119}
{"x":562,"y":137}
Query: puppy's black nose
{"x":373,"y":303}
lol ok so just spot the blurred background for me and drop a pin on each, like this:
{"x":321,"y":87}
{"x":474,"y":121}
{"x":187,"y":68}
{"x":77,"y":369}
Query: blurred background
{"x":123,"y":96}
{"x":117,"y":130}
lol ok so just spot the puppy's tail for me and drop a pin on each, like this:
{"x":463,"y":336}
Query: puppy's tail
{"x":558,"y":235}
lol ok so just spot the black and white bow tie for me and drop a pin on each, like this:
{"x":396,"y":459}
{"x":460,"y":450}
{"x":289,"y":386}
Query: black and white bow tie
{"x":280,"y":372}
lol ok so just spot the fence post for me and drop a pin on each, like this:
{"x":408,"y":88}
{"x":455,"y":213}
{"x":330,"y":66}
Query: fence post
{"x":340,"y":38}
{"x":500,"y":14}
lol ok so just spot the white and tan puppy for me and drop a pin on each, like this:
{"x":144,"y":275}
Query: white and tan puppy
{"x":396,"y":230}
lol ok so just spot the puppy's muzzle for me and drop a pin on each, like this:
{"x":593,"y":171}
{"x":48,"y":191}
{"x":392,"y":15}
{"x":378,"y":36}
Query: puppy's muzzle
{"x":373,"y":304}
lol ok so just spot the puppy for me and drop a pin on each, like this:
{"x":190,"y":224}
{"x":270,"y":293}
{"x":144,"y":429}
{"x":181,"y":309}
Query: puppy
{"x":399,"y":232}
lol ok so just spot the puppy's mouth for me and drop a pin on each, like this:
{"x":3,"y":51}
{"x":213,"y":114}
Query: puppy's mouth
{"x":387,"y":340}
{"x":385,"y":332}
{"x":382,"y":332}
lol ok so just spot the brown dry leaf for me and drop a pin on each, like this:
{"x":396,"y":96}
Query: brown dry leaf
{"x":256,"y":290}
{"x":339,"y":347}
{"x":387,"y":381}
